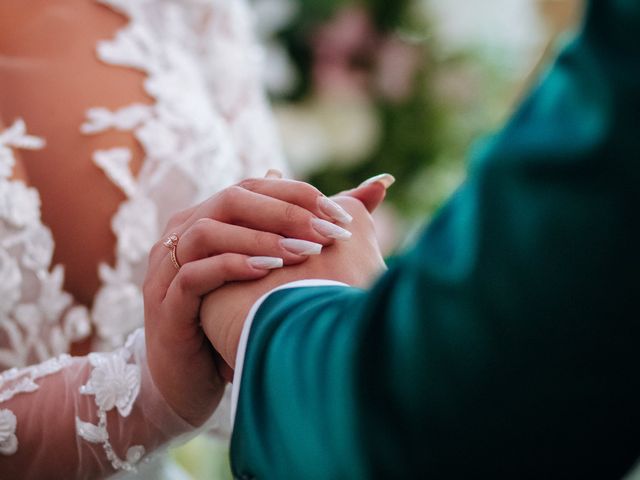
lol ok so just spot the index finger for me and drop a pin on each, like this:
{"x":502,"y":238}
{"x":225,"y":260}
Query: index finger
{"x":298,"y":193}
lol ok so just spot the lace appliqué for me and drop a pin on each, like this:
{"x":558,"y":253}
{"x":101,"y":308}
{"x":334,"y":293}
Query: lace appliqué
{"x":14,"y":382}
{"x":208,"y":127}
{"x":31,"y":329}
{"x":115,"y":383}
{"x":8,"y":439}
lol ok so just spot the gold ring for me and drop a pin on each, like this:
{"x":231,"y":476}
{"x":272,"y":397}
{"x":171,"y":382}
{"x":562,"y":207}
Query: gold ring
{"x":172,"y":244}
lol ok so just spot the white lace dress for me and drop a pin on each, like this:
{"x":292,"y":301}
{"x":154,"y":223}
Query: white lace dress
{"x":209,"y":127}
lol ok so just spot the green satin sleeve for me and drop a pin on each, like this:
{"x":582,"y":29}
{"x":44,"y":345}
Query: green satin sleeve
{"x":505,"y":343}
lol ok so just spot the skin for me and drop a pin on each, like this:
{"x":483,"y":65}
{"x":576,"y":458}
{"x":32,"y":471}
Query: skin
{"x":51,"y":84}
{"x":181,"y":358}
{"x":50,"y":76}
{"x":357,"y":262}
{"x":213,"y":253}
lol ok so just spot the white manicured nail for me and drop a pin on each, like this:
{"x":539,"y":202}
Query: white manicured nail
{"x":330,"y":230}
{"x":274,"y":173}
{"x":385,"y":179}
{"x":334,"y":210}
{"x":301,"y":247}
{"x":266,"y":263}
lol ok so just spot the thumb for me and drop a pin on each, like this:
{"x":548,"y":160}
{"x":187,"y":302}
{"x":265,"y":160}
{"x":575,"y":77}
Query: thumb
{"x":371,"y":192}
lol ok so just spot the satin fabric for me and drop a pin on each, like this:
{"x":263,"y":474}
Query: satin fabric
{"x":504,"y":344}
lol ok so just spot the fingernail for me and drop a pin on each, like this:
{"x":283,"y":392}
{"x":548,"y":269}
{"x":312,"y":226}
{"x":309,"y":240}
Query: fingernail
{"x":274,"y":173}
{"x":330,"y":230}
{"x":266,"y":263}
{"x":301,"y":247}
{"x":385,"y":179}
{"x":334,"y":210}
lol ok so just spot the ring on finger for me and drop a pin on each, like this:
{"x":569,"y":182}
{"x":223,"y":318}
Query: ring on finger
{"x":172,"y":244}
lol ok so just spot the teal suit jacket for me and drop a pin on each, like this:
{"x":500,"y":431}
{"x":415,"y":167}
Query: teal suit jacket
{"x":506,"y":342}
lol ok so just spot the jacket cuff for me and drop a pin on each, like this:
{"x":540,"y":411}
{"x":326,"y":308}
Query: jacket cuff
{"x":244,"y":337}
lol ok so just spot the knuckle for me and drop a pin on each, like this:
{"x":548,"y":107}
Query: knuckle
{"x":227,"y":264}
{"x":308,"y":190}
{"x":356,"y":209}
{"x":249,"y":184}
{"x":292,"y":213}
{"x":156,"y":249}
{"x":186,"y":278}
{"x":201,"y":230}
{"x":232,"y":194}
{"x":261,"y":239}
{"x":351,"y":205}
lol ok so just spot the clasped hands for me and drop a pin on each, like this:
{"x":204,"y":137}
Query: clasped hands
{"x":233,"y":248}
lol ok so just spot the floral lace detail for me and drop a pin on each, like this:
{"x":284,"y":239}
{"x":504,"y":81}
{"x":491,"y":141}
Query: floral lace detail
{"x":115,"y":383}
{"x":15,"y":137}
{"x":8,"y":439}
{"x":14,"y":382}
{"x":208,"y":127}
{"x":33,"y":301}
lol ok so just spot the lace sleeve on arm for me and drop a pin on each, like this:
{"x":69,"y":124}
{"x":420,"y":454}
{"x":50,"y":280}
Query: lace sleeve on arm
{"x":63,"y":417}
{"x":83,"y":417}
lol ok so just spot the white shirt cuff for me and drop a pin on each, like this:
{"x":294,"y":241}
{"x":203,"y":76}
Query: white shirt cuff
{"x":244,"y":337}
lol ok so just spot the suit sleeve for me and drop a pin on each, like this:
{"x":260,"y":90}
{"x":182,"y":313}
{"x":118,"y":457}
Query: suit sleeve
{"x":504,"y":343}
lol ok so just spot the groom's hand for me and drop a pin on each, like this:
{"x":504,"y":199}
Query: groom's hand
{"x":357,"y":262}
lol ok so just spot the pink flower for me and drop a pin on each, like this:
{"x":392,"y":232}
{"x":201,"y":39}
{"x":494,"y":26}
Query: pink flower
{"x":398,"y":63}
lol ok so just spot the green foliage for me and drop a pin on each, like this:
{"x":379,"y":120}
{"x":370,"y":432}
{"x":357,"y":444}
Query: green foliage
{"x":424,"y":136}
{"x":408,"y":145}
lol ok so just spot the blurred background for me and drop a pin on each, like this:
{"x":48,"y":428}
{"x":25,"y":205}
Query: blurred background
{"x":402,"y":86}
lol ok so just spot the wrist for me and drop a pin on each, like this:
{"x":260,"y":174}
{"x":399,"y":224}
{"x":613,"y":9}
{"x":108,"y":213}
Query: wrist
{"x":230,"y":348}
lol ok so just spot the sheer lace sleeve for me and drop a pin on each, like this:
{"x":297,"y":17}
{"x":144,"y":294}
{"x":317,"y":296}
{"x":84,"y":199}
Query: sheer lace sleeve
{"x":84,"y":417}
{"x":64,"y":417}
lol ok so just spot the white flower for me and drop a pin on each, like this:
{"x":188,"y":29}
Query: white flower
{"x":29,"y":317}
{"x":158,"y":140}
{"x":77,"y":325}
{"x":38,"y":249}
{"x":117,"y":311}
{"x":53,"y":299}
{"x":8,"y":439}
{"x":15,"y":136}
{"x":19,"y":204}
{"x":58,"y":342}
{"x":135,"y":454}
{"x":7,"y":162}
{"x":113,"y":382}
{"x":116,"y":165}
{"x":90,"y":432}
{"x":125,"y":119}
{"x":10,"y":284}
{"x":135,"y":225}
{"x":134,"y":46}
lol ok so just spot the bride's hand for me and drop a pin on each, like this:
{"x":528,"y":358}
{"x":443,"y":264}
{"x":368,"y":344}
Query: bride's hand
{"x":357,"y":263}
{"x":241,"y":233}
